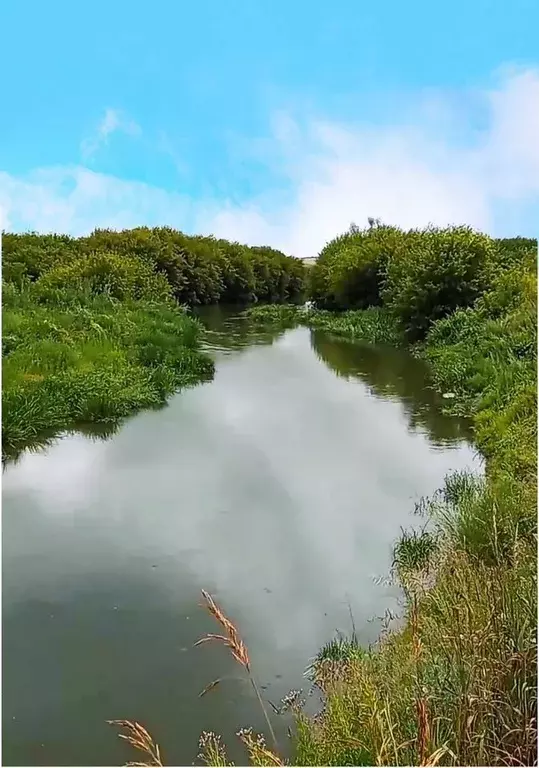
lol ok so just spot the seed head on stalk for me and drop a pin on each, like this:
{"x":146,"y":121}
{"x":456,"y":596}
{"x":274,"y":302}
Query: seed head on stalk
{"x":232,"y":640}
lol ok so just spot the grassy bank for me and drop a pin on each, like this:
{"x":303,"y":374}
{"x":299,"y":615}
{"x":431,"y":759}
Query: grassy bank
{"x":93,"y":328}
{"x":457,"y":685}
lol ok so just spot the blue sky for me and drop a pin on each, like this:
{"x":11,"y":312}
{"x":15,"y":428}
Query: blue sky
{"x":241,"y":117}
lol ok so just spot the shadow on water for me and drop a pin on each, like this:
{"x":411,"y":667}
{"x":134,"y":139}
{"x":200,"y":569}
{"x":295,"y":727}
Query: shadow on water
{"x":94,"y":432}
{"x":228,"y":331}
{"x":394,"y":374}
{"x":389,"y":373}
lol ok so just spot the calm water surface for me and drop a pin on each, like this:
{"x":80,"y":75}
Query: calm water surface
{"x":279,"y":487}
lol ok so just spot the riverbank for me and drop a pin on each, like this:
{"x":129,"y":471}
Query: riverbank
{"x":94,"y":328}
{"x":107,"y":543}
{"x":457,"y":685}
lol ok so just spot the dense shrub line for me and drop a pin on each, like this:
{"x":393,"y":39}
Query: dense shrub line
{"x":420,"y":276}
{"x":93,"y":329}
{"x":199,"y":270}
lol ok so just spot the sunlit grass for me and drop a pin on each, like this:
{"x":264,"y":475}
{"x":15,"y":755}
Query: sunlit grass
{"x":96,"y":362}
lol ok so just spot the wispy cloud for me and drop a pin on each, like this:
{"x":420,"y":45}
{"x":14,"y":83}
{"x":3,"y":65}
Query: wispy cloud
{"x":409,"y":174}
{"x":167,"y":147}
{"x":75,"y":200}
{"x":433,"y":165}
{"x":113,"y":121}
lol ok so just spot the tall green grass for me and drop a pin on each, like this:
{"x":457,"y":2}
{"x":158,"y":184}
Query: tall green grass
{"x":457,"y":683}
{"x":94,"y":361}
{"x":373,"y":325}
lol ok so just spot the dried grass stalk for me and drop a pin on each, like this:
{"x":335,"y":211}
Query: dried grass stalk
{"x":139,"y":738}
{"x":232,"y":640}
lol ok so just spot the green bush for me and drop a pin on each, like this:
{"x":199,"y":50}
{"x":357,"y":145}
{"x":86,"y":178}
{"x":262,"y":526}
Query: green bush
{"x":25,"y":257}
{"x":488,"y":521}
{"x":237,"y":266}
{"x":487,"y":356}
{"x":374,"y":325}
{"x":439,"y":271}
{"x":350,"y":271}
{"x":420,"y":276}
{"x":281,"y":315}
{"x":119,"y":277}
{"x":204,"y":270}
{"x":516,"y":251}
{"x":199,"y":270}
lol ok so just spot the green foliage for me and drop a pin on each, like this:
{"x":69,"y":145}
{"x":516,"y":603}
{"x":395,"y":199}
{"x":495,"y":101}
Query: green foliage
{"x":338,"y":650}
{"x":281,"y":315}
{"x":374,"y":325}
{"x":437,"y":272}
{"x":419,"y":275}
{"x":414,"y":551}
{"x":489,"y":521}
{"x":487,"y":356}
{"x":26,"y":257}
{"x":349,"y":272}
{"x":239,"y":273}
{"x":457,"y":683}
{"x":516,"y":251}
{"x":278,"y":278}
{"x":105,"y":273}
{"x":199,"y":270}
{"x":91,"y":331}
{"x":95,"y":360}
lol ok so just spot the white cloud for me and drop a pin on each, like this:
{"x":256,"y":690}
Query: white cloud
{"x":75,"y":200}
{"x":112,"y":121}
{"x":429,"y":165}
{"x":410,"y":174}
{"x":511,"y":151}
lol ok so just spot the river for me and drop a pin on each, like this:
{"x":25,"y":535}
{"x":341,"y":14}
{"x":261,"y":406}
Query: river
{"x":279,"y":487}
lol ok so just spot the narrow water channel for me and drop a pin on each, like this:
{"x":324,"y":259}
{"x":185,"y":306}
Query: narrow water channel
{"x":279,"y":487}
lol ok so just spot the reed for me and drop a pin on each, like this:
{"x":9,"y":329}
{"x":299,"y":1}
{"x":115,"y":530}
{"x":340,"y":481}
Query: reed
{"x":212,"y":751}
{"x":232,"y":640}
{"x":138,"y":737}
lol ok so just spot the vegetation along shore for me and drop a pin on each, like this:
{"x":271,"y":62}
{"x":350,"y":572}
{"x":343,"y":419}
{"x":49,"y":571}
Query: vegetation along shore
{"x":458,"y":684}
{"x":97,"y":328}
